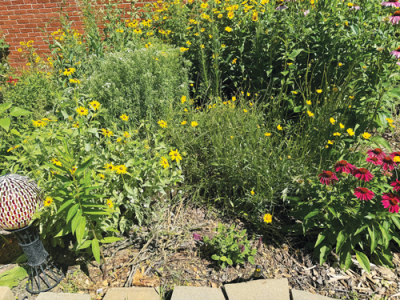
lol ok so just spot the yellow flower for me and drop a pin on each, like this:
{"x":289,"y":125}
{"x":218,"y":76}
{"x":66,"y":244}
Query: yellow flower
{"x":82,"y":111}
{"x":279,"y":127}
{"x":39,"y":123}
{"x":390,"y":121}
{"x":310,"y":113}
{"x":204,"y":5}
{"x":120,"y":30}
{"x":396,"y":159}
{"x":245,"y":110}
{"x":185,"y":110}
{"x":252,"y":192}
{"x":340,"y":64}
{"x":121,"y":169}
{"x":233,"y":98}
{"x":69,"y":71}
{"x":119,"y":140}
{"x":48,"y":201}
{"x":95,"y":105}
{"x":319,"y":91}
{"x":223,"y":46}
{"x":294,"y":92}
{"x":349,"y":4}
{"x":109,"y":167}
{"x":330,"y":142}
{"x":183,"y":49}
{"x":366,"y":135}
{"x":346,"y":23}
{"x":220,"y":16}
{"x":183,"y":99}
{"x":210,"y":36}
{"x":73,"y":170}
{"x":268,"y":218}
{"x":162,"y":124}
{"x":349,"y":106}
{"x":351,"y":97}
{"x":126,"y":134}
{"x":76,"y":125}
{"x":326,"y":146}
{"x":194,"y":124}
{"x":107,"y":132}
{"x":392,"y":126}
{"x":124,"y":117}
{"x":188,"y":43}
{"x":231,"y":14}
{"x":175,"y":155}
{"x":102,"y":176}
{"x":12,"y":148}
{"x":183,"y":122}
{"x":231,"y":136}
{"x":28,"y":64}
{"x":308,"y":102}
{"x":164,"y":162}
{"x":228,"y":29}
{"x":267,"y":134}
{"x":202,"y":46}
{"x":22,"y":43}
{"x":55,"y":161}
{"x":336,"y":134}
{"x":332,"y":120}
{"x":19,"y":50}
{"x":109,"y":203}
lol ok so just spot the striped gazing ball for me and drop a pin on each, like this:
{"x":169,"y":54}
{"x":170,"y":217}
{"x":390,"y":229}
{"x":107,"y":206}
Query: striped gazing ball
{"x":19,"y":196}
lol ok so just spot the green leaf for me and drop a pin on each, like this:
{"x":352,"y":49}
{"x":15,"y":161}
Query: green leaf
{"x":294,"y":53}
{"x":12,"y":278}
{"x":396,"y":221}
{"x":312,"y":214}
{"x":65,"y":205}
{"x":385,"y":236}
{"x":229,"y":261}
{"x":381,"y":142}
{"x":223,"y":258}
{"x":17,"y":111}
{"x":96,"y":250}
{"x":90,"y":204}
{"x":5,"y":123}
{"x":373,"y":238}
{"x":323,"y":254}
{"x":341,"y":238}
{"x":361,"y":229}
{"x":84,"y":166}
{"x":4,"y":107}
{"x":251,"y":260}
{"x":347,"y":262}
{"x":76,"y":220}
{"x":215,"y":257}
{"x":253,"y":252}
{"x":72,"y":211}
{"x":110,"y":239}
{"x":320,"y":238}
{"x":15,"y":132}
{"x":80,"y":230}
{"x":86,"y":244}
{"x":64,"y":231}
{"x":363,"y":261}
{"x":95,"y":212}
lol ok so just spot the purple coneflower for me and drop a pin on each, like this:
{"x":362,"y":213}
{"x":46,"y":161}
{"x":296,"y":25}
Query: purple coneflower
{"x":376,"y":161}
{"x":393,"y":3}
{"x":363,"y":174}
{"x":396,"y":52}
{"x":363,"y":193}
{"x":344,"y":167}
{"x":377,"y":152}
{"x":390,"y":201}
{"x":395,"y":18}
{"x":388,"y":163}
{"x":396,"y":185}
{"x":327,"y":177}
{"x":393,"y":154}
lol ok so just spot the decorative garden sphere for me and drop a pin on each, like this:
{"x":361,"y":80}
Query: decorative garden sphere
{"x":19,"y":196}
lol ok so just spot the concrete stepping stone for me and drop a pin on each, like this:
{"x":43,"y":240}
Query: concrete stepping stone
{"x":6,"y":293}
{"x":62,"y":296}
{"x":132,"y":293}
{"x":302,"y":295}
{"x":271,"y":289}
{"x":196,"y":293}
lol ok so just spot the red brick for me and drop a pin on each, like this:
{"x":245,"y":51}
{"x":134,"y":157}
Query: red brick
{"x":15,"y":2}
{"x":24,"y":21}
{"x":15,"y":17}
{"x":32,"y":11}
{"x":25,"y":6}
{"x":6,"y":3}
{"x":25,"y":30}
{"x":13,"y":31}
{"x":9,"y":22}
{"x":7,"y":27}
{"x":37,"y":6}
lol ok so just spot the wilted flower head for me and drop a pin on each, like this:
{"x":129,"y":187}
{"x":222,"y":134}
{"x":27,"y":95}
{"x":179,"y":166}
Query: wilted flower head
{"x":327,"y":177}
{"x":281,"y":7}
{"x":354,"y":7}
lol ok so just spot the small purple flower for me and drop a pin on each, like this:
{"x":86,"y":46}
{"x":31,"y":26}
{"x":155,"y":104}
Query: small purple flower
{"x":281,"y":7}
{"x":306,"y":12}
{"x":398,"y":63}
{"x":356,"y":7}
{"x":392,"y":3}
{"x":396,"y":52}
{"x":395,"y":18}
{"x":196,"y":236}
{"x":241,"y":247}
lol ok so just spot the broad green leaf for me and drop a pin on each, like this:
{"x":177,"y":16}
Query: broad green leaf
{"x":341,"y":238}
{"x":84,"y":166}
{"x":90,"y":204}
{"x":80,"y":230}
{"x":72,"y":211}
{"x":361,"y":229}
{"x":86,"y":244}
{"x":324,"y":251}
{"x":215,"y":257}
{"x":251,"y":260}
{"x":17,"y":111}
{"x":385,"y":236}
{"x":347,"y":262}
{"x":4,"y":107}
{"x":363,"y":261}
{"x":95,"y":212}
{"x":311,"y":214}
{"x":65,"y":205}
{"x":76,"y":220}
{"x":320,"y":238}
{"x":5,"y":123}
{"x":96,"y":250}
{"x":223,"y":258}
{"x":381,"y":141}
{"x":15,"y":132}
{"x":294,"y":53}
{"x":110,"y":239}
{"x":12,"y":278}
{"x":373,"y":238}
{"x":230,"y":262}
{"x":396,"y":221}
{"x":64,"y":231}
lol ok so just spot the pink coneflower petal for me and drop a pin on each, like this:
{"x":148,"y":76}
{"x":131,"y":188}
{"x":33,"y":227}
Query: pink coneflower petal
{"x":355,"y":7}
{"x":388,"y":163}
{"x":377,"y":152}
{"x":392,"y":3}
{"x":374,"y":160}
{"x":396,"y":185}
{"x":396,"y":52}
{"x":363,"y":174}
{"x":393,"y":154}
{"x":344,"y":167}
{"x":390,"y":201}
{"x":306,"y":12}
{"x":363,"y":193}
{"x":327,"y":177}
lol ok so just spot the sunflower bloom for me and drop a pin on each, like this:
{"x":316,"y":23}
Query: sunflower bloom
{"x":267,"y":218}
{"x":73,"y":170}
{"x":126,"y":134}
{"x":109,"y":167}
{"x":175,"y":155}
{"x":121,"y":169}
{"x":109,"y":203}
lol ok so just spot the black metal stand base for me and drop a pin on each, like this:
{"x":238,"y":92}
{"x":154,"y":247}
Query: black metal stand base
{"x":41,"y":271}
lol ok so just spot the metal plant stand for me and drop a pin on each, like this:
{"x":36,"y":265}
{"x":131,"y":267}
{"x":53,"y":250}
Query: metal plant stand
{"x":28,"y":238}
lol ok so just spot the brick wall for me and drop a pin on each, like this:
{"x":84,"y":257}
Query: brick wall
{"x":24,"y":20}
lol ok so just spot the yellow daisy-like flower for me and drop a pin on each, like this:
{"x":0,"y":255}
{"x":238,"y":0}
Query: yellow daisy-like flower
{"x":124,"y":117}
{"x":330,"y":142}
{"x":109,"y":203}
{"x":194,"y":124}
{"x":56,"y":162}
{"x":279,"y":127}
{"x":119,"y":140}
{"x":175,"y":155}
{"x":267,"y":134}
{"x":69,"y":71}
{"x":120,"y":30}
{"x":308,"y":102}
{"x":340,"y":64}
{"x":101,"y":176}
{"x":326,"y":146}
{"x":267,"y":218}
{"x":391,"y":125}
{"x":126,"y":134}
{"x":183,"y":99}
{"x":245,"y":110}
{"x":351,"y":97}
{"x":13,"y":148}
{"x":121,"y":169}
{"x":82,"y":111}
{"x":228,"y":29}
{"x":396,"y":159}
{"x":107,"y":132}
{"x":252,"y":192}
{"x":234,"y":61}
{"x":319,"y":91}
{"x":390,"y":121}
{"x":76,"y":125}
{"x":48,"y":201}
{"x":109,"y":167}
{"x":202,"y":46}
{"x":95,"y":105}
{"x":73,"y":170}
{"x":204,"y":5}
{"x":332,"y":120}
{"x":231,"y":136}
{"x":310,"y":113}
{"x":183,"y":122}
{"x":231,"y":14}
{"x":164,"y":162}
{"x":337,"y":134}
{"x":162,"y":124}
{"x":39,"y":123}
{"x":350,"y":132}
{"x":183,"y":49}
{"x":220,"y":16}
{"x":294,"y":93}
{"x":366,"y":135}
{"x":341,"y":125}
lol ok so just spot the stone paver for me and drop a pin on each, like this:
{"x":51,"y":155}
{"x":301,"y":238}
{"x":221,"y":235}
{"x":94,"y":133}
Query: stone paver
{"x":302,"y":295}
{"x":197,"y":293}
{"x":132,"y":293}
{"x":271,"y":289}
{"x":6,"y":294}
{"x":62,"y":296}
